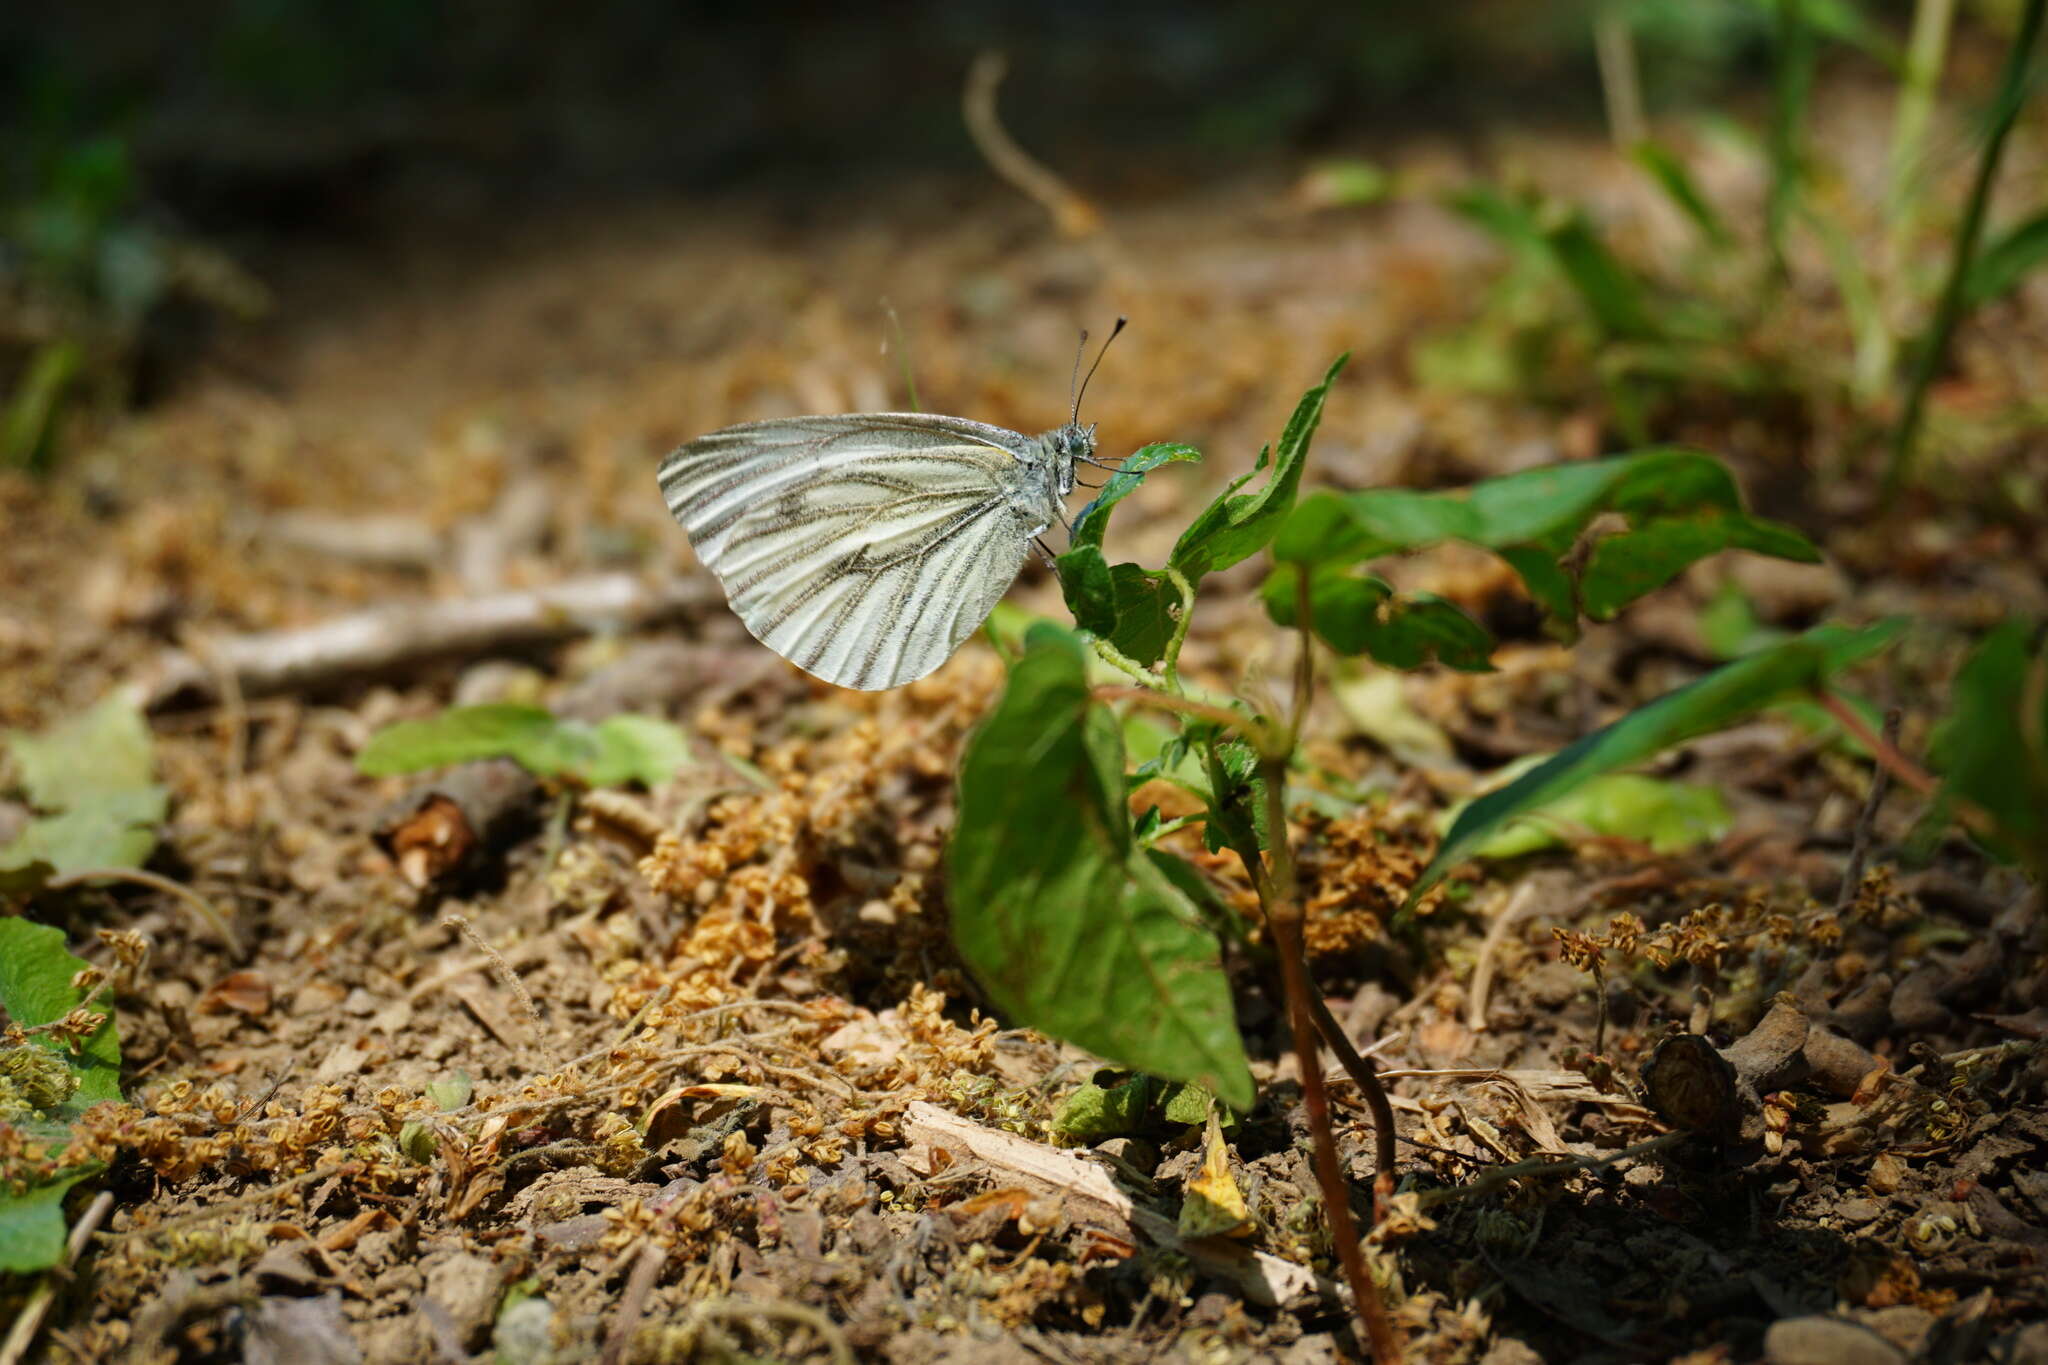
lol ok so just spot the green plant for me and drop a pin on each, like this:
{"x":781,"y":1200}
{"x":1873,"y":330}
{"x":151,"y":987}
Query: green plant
{"x":91,"y":782}
{"x":1576,"y":314}
{"x":613,"y":752}
{"x":60,"y":1055}
{"x":87,"y":271}
{"x":1071,"y":913}
{"x":1991,"y":750}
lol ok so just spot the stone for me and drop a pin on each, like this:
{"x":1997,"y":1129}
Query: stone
{"x":465,"y":1286}
{"x":1827,"y":1341}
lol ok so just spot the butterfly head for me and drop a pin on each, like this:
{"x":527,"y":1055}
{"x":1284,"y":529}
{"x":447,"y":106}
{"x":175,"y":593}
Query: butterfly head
{"x":1068,"y":446}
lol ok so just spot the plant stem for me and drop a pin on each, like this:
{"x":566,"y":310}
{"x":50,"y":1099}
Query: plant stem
{"x":1887,"y":754}
{"x":1926,"y":51}
{"x":1366,"y":1077}
{"x":1614,"y":48}
{"x":1793,"y":84}
{"x":1283,"y":915}
{"x":1122,"y":662}
{"x":1280,"y":896}
{"x":1180,"y":627}
{"x":1933,"y":349}
{"x":1254,"y":728}
{"x":200,"y":906}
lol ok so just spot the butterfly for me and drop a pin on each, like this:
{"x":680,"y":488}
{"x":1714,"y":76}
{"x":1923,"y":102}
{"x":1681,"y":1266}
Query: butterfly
{"x":866,"y":547}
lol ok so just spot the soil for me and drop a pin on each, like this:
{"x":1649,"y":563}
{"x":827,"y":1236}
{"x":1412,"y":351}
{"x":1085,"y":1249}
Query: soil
{"x":629,"y":1079}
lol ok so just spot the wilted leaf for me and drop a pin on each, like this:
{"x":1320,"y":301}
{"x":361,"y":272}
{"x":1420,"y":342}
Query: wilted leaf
{"x":1727,"y":695}
{"x":1212,"y":1205}
{"x":1237,"y":525}
{"x":90,"y":780}
{"x":1070,"y":926}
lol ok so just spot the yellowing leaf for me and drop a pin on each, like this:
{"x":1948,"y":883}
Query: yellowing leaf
{"x":1212,"y":1205}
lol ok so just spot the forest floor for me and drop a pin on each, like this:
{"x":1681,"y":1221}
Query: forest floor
{"x":693,"y":1072}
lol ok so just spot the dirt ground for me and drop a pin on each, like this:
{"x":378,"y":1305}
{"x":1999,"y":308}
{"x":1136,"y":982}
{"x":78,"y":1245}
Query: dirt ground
{"x":646,"y":1076}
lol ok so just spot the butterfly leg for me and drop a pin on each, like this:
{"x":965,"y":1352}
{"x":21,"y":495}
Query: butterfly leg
{"x":1051,"y":559}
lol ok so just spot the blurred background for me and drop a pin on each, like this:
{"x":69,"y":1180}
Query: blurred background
{"x":279,"y":255}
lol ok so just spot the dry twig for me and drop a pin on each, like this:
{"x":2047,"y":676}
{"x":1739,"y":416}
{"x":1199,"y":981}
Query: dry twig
{"x":1071,"y":214}
{"x":385,"y":639}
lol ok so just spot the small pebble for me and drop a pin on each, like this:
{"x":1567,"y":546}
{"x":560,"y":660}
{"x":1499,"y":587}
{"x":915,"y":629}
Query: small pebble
{"x":1827,"y":1341}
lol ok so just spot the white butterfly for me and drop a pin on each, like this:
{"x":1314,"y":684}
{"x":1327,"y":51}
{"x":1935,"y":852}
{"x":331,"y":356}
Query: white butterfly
{"x":864,"y":548}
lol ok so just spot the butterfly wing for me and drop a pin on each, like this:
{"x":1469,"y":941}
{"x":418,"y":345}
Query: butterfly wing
{"x":863,"y":548}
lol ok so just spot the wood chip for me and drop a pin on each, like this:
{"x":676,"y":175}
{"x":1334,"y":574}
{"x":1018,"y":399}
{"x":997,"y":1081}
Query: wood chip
{"x":1092,"y":1192}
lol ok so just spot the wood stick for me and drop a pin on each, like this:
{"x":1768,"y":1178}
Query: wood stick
{"x":390,"y":639}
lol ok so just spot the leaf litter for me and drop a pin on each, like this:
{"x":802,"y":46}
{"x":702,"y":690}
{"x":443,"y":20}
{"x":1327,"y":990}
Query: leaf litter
{"x":643,"y":1080}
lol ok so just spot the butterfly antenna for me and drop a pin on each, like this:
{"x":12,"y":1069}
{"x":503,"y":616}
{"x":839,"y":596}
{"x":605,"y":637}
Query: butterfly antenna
{"x":1082,"y":392}
{"x":1074,"y":380}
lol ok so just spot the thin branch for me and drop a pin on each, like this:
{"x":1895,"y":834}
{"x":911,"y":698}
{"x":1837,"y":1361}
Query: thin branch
{"x":1886,"y":753}
{"x":199,"y":905}
{"x":506,"y":976}
{"x":1547,"y":1168}
{"x":1071,"y":214}
{"x":1366,"y":1077}
{"x":393,"y":638}
{"x":1614,"y":49}
{"x":1866,"y":821}
{"x":1253,"y":728}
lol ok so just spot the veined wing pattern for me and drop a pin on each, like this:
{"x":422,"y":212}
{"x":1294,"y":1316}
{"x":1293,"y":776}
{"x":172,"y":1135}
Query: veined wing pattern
{"x":863,"y":548}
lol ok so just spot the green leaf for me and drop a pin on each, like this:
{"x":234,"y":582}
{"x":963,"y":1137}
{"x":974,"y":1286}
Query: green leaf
{"x":103,"y":749}
{"x":91,"y":779}
{"x":1681,"y":506}
{"x":1730,"y":627}
{"x":1718,"y":700}
{"x":1237,"y":525}
{"x":1097,"y":1111}
{"x":30,"y":414}
{"x":1067,"y":923}
{"x":32,"y":1228}
{"x":1349,"y":182}
{"x":2003,"y":262}
{"x":1667,"y":816}
{"x":1610,"y":292}
{"x":530,"y":735}
{"x":618,"y":749}
{"x":1126,"y":604}
{"x":1134,"y":1104}
{"x":1089,"y":588}
{"x":1361,"y":614}
{"x":1992,"y":747}
{"x":1683,"y":191}
{"x":1094,"y":518}
{"x":643,"y":749}
{"x":35,"y":989}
